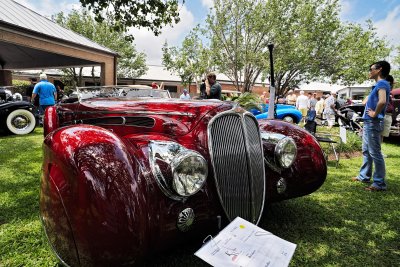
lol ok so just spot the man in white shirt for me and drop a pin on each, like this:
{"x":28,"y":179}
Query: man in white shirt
{"x":330,"y":109}
{"x":302,"y":104}
{"x":185,"y":95}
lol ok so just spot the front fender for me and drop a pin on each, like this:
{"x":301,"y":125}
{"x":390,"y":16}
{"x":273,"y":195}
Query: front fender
{"x":99,"y":185}
{"x":294,"y":113}
{"x":307,"y":173}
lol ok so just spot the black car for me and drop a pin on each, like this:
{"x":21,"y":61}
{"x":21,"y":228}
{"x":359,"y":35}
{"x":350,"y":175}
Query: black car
{"x":352,"y":113}
{"x":349,"y":116}
{"x":16,"y":116}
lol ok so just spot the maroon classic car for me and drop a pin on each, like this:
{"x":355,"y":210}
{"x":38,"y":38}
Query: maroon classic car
{"x":128,"y":170}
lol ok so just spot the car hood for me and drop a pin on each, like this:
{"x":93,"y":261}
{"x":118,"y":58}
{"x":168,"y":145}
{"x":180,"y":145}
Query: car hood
{"x":181,"y":115}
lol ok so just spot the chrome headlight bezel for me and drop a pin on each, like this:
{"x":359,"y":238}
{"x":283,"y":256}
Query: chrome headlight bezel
{"x":166,"y":159}
{"x":285,"y":152}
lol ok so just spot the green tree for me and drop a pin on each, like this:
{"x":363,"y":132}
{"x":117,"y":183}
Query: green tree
{"x":239,"y":38}
{"x":130,"y":64}
{"x":150,"y":14}
{"x":311,"y":43}
{"x":395,"y":72}
{"x":191,"y":61}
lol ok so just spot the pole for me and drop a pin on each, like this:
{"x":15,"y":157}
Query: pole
{"x":271,"y":106}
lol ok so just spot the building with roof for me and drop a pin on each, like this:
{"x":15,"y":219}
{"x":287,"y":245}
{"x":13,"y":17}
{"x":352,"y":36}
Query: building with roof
{"x":355,"y":92}
{"x":31,"y":41}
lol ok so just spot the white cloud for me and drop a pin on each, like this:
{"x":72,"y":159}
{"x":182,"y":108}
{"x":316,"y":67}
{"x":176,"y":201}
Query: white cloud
{"x":389,"y":26}
{"x":50,"y":7}
{"x":346,"y":8}
{"x":151,"y":45}
{"x":207,"y":3}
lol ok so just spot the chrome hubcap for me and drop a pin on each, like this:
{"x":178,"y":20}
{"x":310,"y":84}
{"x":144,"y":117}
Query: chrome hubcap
{"x":20,"y":122}
{"x":288,"y":119}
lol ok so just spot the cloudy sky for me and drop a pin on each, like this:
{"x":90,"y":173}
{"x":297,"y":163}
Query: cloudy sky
{"x":385,"y":15}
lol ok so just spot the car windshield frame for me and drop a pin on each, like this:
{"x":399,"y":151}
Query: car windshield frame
{"x":120,"y":91}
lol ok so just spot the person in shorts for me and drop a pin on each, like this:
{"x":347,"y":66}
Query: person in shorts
{"x":302,"y":104}
{"x":330,"y":109}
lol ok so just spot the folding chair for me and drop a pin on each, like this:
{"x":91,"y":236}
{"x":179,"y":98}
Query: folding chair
{"x":333,"y":140}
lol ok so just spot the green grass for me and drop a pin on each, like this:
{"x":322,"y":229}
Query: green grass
{"x":22,"y":240}
{"x":338,"y":225}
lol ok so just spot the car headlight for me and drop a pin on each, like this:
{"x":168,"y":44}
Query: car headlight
{"x":179,"y":172}
{"x":285,"y":152}
{"x":189,"y":170}
{"x":398,"y":117}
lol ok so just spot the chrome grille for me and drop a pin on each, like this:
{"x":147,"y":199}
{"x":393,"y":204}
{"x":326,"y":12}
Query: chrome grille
{"x":237,"y":159}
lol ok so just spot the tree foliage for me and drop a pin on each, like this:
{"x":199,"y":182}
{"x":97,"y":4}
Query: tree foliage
{"x":190,"y":61}
{"x":239,"y":37}
{"x":395,"y":68}
{"x":311,"y":43}
{"x":150,"y":14}
{"x":130,"y":64}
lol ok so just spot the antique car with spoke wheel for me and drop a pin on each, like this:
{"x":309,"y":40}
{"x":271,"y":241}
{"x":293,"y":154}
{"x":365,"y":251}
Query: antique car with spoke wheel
{"x":129,"y":171}
{"x":16,"y":116}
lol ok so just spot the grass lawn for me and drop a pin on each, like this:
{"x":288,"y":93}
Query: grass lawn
{"x":339,"y":225}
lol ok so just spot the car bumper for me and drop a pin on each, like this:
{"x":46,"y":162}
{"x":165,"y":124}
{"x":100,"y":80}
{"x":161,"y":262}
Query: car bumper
{"x":395,"y":130}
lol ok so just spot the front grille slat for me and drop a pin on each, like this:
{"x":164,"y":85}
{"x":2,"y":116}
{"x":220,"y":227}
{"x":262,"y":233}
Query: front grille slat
{"x":256,"y":164}
{"x":237,"y":159}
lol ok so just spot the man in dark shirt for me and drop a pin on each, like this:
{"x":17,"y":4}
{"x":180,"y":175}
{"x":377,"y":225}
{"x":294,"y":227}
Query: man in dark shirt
{"x":213,"y":88}
{"x":29,"y":92}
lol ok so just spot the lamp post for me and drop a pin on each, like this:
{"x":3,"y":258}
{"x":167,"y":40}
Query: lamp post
{"x":271,"y":108}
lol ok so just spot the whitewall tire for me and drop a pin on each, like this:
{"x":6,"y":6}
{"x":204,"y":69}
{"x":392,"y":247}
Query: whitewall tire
{"x":21,"y":121}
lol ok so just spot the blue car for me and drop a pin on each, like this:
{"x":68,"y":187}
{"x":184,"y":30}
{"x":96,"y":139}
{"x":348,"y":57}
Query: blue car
{"x":287,"y":113}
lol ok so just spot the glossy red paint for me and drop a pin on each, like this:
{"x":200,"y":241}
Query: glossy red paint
{"x":101,"y":204}
{"x":309,"y":170}
{"x":50,"y":122}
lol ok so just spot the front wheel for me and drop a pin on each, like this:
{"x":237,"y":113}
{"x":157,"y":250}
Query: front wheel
{"x":288,"y":119}
{"x":21,"y":121}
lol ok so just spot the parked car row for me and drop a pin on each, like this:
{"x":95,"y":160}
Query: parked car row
{"x":128,"y":171}
{"x":357,"y":110}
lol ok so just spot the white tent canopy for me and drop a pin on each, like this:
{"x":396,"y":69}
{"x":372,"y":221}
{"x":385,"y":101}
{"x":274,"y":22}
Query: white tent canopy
{"x":320,"y":87}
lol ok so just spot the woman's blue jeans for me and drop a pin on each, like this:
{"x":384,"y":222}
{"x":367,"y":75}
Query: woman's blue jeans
{"x":371,"y":150}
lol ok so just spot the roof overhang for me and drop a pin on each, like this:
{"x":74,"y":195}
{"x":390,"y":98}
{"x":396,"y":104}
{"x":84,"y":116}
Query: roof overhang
{"x":19,"y":53}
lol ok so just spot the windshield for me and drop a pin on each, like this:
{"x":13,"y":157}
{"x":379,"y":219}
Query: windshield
{"x":124,"y":91}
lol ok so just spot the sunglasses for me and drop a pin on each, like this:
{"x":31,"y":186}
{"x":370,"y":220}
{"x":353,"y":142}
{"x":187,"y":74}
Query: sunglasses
{"x":371,"y":69}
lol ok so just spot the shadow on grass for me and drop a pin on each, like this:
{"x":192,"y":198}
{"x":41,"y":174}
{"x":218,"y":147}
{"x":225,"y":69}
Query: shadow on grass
{"x":341,"y":224}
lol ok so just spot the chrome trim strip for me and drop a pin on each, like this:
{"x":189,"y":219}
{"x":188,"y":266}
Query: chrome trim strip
{"x":51,"y":245}
{"x":87,"y":121}
{"x":137,"y":112}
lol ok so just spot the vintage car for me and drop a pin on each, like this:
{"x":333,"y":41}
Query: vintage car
{"x":353,"y":111}
{"x":16,"y":116}
{"x":129,"y":171}
{"x":288,"y":113}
